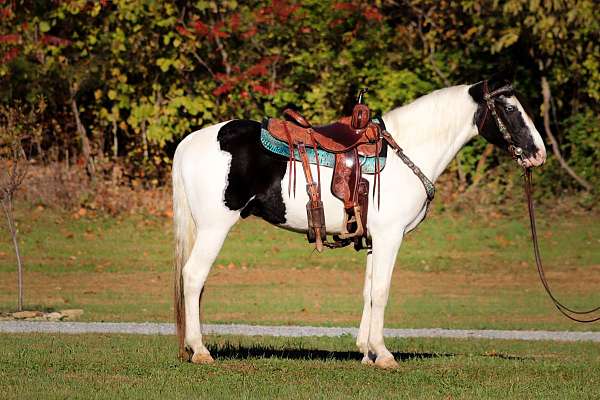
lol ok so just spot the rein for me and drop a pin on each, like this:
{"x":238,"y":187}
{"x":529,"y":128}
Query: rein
{"x":517,"y":154}
{"x":566,"y":311}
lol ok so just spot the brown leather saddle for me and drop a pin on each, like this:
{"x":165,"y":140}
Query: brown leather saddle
{"x":347,"y":138}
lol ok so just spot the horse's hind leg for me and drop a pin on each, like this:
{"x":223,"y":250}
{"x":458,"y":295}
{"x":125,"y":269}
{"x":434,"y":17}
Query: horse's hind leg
{"x":206,"y":248}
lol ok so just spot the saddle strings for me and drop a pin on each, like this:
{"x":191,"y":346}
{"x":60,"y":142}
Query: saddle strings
{"x":538,"y":260}
{"x":292,"y":164}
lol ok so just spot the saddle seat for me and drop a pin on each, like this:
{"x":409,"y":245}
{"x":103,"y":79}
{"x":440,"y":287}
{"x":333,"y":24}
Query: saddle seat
{"x":337,"y":137}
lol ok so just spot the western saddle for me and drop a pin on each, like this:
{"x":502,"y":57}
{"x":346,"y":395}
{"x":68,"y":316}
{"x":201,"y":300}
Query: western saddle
{"x":347,"y":138}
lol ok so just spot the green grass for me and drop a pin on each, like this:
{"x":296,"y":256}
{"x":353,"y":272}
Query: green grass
{"x":120,"y":366}
{"x":455,"y":271}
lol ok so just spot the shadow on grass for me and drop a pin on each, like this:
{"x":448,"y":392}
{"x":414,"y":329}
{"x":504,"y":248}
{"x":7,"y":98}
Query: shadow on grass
{"x":243,"y":353}
{"x":228,"y":351}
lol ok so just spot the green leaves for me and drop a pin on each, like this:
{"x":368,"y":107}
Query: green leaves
{"x":148,"y":72}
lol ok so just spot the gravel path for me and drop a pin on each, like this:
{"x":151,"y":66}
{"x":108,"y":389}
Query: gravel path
{"x":148,"y":328}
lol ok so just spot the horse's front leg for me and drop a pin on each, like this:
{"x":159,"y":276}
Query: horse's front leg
{"x":362,"y":340}
{"x":385,"y":248}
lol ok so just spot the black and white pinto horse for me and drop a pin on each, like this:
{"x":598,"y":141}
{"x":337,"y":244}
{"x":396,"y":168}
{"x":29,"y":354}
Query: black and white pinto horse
{"x":222,"y":173}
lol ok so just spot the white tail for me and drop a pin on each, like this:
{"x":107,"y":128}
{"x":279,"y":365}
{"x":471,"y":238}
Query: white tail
{"x":184,"y":229}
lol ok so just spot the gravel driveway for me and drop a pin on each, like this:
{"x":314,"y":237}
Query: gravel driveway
{"x":148,"y":328}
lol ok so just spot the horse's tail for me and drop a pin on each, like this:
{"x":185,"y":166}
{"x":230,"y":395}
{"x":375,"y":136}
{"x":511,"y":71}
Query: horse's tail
{"x":185,"y":235}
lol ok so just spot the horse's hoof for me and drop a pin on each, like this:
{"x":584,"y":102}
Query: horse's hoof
{"x":202,"y":359}
{"x":366,"y":360}
{"x":386,"y":363}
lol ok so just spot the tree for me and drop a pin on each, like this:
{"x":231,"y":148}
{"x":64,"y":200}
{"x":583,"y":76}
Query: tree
{"x":16,"y":126}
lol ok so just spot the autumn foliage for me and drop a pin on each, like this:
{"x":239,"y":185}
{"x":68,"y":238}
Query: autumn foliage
{"x":141,"y":75}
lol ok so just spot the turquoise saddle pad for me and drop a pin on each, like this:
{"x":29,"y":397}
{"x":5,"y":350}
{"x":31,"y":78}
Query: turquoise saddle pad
{"x":326,"y":158}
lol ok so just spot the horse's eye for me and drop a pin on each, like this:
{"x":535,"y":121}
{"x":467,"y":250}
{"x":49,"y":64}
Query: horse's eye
{"x":510,"y":108}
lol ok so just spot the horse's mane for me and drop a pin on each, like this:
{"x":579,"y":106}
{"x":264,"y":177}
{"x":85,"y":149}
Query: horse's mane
{"x":431,"y":115}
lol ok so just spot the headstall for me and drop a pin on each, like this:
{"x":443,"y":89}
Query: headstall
{"x":489,"y":98}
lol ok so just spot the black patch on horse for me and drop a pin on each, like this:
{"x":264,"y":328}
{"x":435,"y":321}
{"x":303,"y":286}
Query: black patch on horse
{"x":511,"y":116}
{"x":253,"y":172}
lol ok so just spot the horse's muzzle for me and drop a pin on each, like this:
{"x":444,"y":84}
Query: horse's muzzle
{"x":535,"y":161}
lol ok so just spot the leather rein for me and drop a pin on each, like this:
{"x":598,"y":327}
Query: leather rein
{"x":517,"y":153}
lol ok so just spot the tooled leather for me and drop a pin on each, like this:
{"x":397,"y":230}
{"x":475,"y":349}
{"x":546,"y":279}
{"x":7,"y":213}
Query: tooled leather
{"x":337,"y":137}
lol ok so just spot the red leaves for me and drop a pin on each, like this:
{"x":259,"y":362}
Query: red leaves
{"x":10,"y":55}
{"x":217,"y":32}
{"x":250,"y":76}
{"x":345,"y":7}
{"x":372,"y":14}
{"x":283,"y":10}
{"x":249,"y":33}
{"x":182,"y":30}
{"x":260,"y":69}
{"x":200,"y":28}
{"x":223,"y":89}
{"x":264,"y":90}
{"x":11,"y":38}
{"x":234,"y":22}
{"x":5,"y":13}
{"x":54,"y":40}
{"x":278,"y":10}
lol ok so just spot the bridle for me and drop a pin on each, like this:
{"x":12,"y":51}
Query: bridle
{"x":489,"y":98}
{"x":517,"y":154}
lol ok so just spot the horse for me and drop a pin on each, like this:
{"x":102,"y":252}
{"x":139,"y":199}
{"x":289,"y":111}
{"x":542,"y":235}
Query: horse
{"x":221,"y":173}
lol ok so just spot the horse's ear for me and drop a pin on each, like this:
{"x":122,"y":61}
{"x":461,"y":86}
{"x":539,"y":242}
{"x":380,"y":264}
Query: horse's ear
{"x":476,"y":92}
{"x":501,"y":78}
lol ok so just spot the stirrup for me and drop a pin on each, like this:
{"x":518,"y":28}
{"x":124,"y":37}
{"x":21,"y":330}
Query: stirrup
{"x":347,"y":220}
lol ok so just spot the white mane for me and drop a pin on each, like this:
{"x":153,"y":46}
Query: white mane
{"x":434,"y":126}
{"x":439,"y":112}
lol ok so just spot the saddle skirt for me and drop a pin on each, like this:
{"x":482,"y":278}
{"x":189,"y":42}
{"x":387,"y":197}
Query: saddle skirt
{"x":325,"y":158}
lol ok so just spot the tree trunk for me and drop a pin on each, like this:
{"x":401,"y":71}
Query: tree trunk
{"x":144,"y":140}
{"x":86,"y":151}
{"x":115,"y":139}
{"x":547,"y":95}
{"x":7,"y":205}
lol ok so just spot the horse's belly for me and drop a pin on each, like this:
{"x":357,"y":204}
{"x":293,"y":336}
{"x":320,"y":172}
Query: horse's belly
{"x":295,"y":205}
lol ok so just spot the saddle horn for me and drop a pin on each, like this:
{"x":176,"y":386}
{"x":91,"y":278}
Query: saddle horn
{"x":361,"y":94}
{"x":361,"y":116}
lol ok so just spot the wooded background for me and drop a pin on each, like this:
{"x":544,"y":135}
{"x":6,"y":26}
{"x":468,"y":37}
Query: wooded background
{"x":123,"y":81}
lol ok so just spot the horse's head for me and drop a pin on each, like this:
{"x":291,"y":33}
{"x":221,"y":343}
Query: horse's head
{"x":502,"y":120}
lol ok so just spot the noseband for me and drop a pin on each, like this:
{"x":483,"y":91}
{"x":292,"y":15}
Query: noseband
{"x":490,"y":98}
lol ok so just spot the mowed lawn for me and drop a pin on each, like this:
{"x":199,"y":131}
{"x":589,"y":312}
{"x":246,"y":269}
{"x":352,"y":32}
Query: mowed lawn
{"x":145,"y":367}
{"x":455,"y":271}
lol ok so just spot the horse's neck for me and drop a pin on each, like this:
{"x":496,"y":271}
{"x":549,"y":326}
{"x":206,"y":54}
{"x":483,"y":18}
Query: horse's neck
{"x":433,"y":128}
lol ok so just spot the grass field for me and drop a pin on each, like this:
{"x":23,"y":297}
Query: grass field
{"x":469,"y":271}
{"x":119,"y":366}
